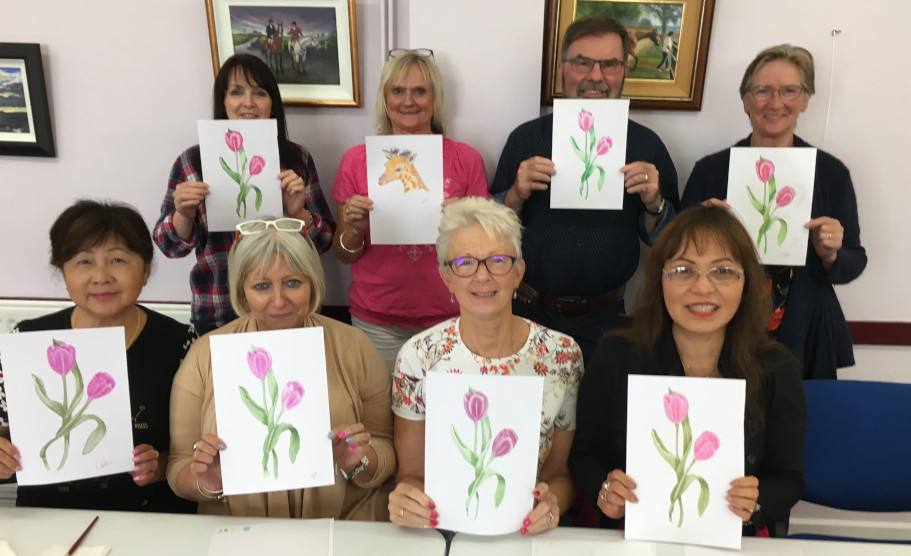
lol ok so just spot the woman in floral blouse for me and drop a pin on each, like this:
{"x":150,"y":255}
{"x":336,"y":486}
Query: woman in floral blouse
{"x":480,"y":256}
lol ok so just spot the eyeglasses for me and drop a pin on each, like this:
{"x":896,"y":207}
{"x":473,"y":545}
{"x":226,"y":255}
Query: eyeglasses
{"x":253,"y":227}
{"x":719,"y":275}
{"x":498,"y":265}
{"x":425,"y":52}
{"x":584,"y":64}
{"x":788,"y":92}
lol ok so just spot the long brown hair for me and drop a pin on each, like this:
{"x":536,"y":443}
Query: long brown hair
{"x":746,"y":334}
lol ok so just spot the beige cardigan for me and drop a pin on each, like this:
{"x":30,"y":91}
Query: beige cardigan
{"x":359,"y":392}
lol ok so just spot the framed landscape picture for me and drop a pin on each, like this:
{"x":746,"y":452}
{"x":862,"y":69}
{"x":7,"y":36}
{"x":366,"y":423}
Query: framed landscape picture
{"x":310,"y":45}
{"x":25,"y":122}
{"x":669,"y":42}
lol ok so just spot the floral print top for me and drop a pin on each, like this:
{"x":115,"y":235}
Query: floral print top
{"x":546,"y":353}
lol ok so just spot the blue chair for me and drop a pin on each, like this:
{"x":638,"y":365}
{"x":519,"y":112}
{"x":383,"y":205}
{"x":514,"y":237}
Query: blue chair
{"x":857,"y":454}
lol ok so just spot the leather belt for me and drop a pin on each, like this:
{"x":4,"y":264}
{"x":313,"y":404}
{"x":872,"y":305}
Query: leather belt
{"x":580,"y":305}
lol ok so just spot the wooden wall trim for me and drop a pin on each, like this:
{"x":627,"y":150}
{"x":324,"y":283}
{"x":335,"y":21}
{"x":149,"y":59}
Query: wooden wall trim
{"x":880,"y":333}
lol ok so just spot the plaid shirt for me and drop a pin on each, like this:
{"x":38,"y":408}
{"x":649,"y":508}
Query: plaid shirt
{"x":211,"y":299}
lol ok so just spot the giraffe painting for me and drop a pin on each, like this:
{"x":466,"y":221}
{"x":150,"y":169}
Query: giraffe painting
{"x":400,"y":167}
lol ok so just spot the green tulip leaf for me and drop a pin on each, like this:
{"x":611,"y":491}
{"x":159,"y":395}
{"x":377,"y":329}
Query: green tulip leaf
{"x":703,"y":496}
{"x":501,"y":490}
{"x":772,"y":190}
{"x":295,"y":445}
{"x":231,"y":173}
{"x":258,"y":412}
{"x":272,"y":386}
{"x":687,"y":438}
{"x":601,"y":179}
{"x":756,"y":204}
{"x":665,"y":453}
{"x":258,"y":203}
{"x":469,"y":456}
{"x":576,"y":149}
{"x":96,"y":436}
{"x":782,"y":231}
{"x":54,"y":406}
{"x":485,"y":433}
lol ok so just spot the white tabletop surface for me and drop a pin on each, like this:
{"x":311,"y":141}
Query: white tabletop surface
{"x":30,"y":531}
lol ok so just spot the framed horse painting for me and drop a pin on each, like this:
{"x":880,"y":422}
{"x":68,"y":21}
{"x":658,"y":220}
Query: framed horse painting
{"x":25,"y":122}
{"x":310,"y":45}
{"x":666,"y":58}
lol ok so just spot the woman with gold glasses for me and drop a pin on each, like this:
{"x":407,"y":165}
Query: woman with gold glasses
{"x":807,"y":317}
{"x":394,"y":290}
{"x":276,"y":282}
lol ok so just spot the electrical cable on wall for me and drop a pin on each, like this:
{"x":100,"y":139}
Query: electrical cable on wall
{"x":825,"y":133}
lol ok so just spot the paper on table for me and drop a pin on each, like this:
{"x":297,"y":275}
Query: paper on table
{"x":68,"y":386}
{"x":280,"y":536}
{"x":405,"y":183}
{"x":240,"y":163}
{"x":698,"y":421}
{"x":589,"y":147}
{"x":58,"y":550}
{"x":276,"y":377}
{"x":6,"y":549}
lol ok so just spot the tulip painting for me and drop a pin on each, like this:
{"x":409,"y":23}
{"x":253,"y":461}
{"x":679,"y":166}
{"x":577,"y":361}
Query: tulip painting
{"x":61,"y":358}
{"x":481,"y":456}
{"x":593,"y":149}
{"x":771,"y":200}
{"x":676,"y":408}
{"x":243,"y":171}
{"x":260,"y":362}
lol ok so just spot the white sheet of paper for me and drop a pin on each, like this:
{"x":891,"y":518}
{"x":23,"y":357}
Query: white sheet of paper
{"x":256,"y":163}
{"x":715,"y":406}
{"x":279,"y":536}
{"x":583,"y":128}
{"x":405,"y":182}
{"x":100,"y":356}
{"x":513,"y":404}
{"x":298,"y":358}
{"x":793,"y":174}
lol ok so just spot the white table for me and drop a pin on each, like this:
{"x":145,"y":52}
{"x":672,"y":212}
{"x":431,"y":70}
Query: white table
{"x":32,"y":530}
{"x":602,"y":542}
{"x":807,"y":517}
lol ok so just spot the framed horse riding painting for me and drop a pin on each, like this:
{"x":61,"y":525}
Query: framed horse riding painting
{"x":310,"y":45}
{"x":666,"y":56}
{"x":25,"y":122}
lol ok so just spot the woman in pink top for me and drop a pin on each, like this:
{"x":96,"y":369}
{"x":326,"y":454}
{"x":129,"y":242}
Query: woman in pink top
{"x":395,"y":289}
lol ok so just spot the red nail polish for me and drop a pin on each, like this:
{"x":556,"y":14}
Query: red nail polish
{"x":537,"y":493}
{"x":341,"y":434}
{"x":352,"y":448}
{"x":433,"y":523}
{"x":523,"y":530}
{"x":434,"y":515}
{"x":526,"y":523}
{"x":432,"y":506}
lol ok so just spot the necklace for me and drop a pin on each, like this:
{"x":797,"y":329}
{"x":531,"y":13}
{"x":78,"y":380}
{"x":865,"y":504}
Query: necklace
{"x":135,"y":330}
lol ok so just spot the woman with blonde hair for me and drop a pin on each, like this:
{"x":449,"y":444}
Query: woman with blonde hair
{"x":394,"y":289}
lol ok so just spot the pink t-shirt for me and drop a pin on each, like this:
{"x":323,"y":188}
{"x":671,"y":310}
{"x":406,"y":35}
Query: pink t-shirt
{"x":399,"y":285}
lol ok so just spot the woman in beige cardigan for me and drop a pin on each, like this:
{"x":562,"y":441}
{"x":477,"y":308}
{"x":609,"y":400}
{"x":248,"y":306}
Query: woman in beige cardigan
{"x":277,"y":282}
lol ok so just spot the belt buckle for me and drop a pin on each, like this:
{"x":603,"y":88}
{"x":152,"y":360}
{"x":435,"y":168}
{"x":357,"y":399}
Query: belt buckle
{"x":571,"y":304}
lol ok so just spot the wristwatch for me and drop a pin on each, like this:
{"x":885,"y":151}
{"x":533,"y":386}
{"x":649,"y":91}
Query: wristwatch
{"x":356,"y":471}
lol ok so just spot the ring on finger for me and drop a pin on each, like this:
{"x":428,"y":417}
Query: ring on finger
{"x":402,"y":512}
{"x":550,"y":519}
{"x":603,"y":496}
{"x":195,"y":445}
{"x":830,"y":235}
{"x":646,"y":177}
{"x":606,"y":486}
{"x":177,"y":199}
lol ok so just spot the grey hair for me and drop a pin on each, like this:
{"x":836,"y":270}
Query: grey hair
{"x":494,"y":218}
{"x":799,"y":56}
{"x":394,"y":70}
{"x":260,"y":250}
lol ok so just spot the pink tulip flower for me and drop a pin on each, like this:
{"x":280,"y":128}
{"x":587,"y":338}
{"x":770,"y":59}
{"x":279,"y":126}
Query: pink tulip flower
{"x":586,"y":120}
{"x":100,"y":385}
{"x":504,"y":442}
{"x":292,"y":394}
{"x":61,"y":358}
{"x":604,"y":146}
{"x":260,"y":362}
{"x":705,"y":446}
{"x":765,"y":169}
{"x":256,"y":165}
{"x":475,"y":406}
{"x":785,"y":196}
{"x":234,"y":140}
{"x":676,"y":407}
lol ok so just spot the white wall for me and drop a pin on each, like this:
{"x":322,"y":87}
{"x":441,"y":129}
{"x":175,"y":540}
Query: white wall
{"x":127,"y":81}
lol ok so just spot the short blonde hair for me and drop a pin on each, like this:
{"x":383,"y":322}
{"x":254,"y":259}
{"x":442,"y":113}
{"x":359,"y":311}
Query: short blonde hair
{"x":494,"y":218}
{"x":799,"y":56}
{"x":259,"y":250}
{"x":393,"y":71}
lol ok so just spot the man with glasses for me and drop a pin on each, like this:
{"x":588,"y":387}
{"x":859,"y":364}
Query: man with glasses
{"x":578,"y":261}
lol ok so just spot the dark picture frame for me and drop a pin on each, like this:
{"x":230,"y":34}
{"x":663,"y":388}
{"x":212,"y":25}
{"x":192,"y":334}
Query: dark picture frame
{"x":654,"y":80}
{"x":25,"y":121}
{"x":319,"y":67}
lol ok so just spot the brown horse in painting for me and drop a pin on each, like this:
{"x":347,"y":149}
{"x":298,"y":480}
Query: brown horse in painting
{"x":639,"y":38}
{"x":274,"y":49}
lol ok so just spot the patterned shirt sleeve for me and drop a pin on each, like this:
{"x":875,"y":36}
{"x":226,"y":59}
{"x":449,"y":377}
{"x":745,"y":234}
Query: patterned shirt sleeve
{"x":408,"y":382}
{"x":4,"y":412}
{"x":164,"y":234}
{"x":566,"y":417}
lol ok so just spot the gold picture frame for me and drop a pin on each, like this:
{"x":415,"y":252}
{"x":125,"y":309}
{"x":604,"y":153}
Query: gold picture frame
{"x":310,"y":45}
{"x":654,"y":80}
